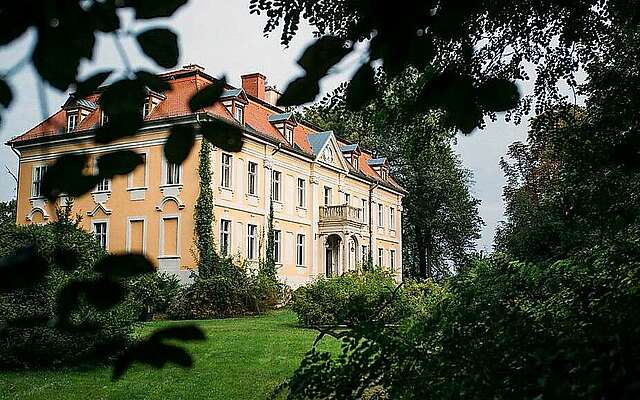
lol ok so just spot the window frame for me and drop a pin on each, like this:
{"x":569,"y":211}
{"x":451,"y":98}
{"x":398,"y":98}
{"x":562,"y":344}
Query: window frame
{"x":365,"y":210}
{"x":225,"y":250}
{"x":97,"y":235}
{"x":42,"y":170}
{"x":380,"y":257}
{"x":276,"y":191}
{"x":392,"y":260}
{"x":302,"y":193}
{"x":300,"y":243}
{"x":176,"y":172}
{"x":328,"y":195}
{"x":277,"y":242}
{"x":75,"y":117}
{"x":226,"y":170}
{"x":252,"y":234}
{"x":252,"y":178}
{"x":104,"y":118}
{"x":288,"y":134}
{"x":238,"y":113}
{"x":380,"y":215}
{"x":392,"y":218}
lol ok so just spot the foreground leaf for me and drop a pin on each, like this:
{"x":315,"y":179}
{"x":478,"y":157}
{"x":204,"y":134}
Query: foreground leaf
{"x":361,"y":89}
{"x":179,"y":143}
{"x":90,"y":84}
{"x":6,"y":96}
{"x":124,"y":265}
{"x":146,"y":9}
{"x":222,"y":134}
{"x":66,"y":176}
{"x":118,"y":163}
{"x":300,"y":91}
{"x":22,"y":269}
{"x":207,"y":96}
{"x":161,"y":45}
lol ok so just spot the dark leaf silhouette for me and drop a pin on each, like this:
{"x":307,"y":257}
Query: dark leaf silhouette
{"x":5,"y":94}
{"x":326,"y":52}
{"x":14,"y":21}
{"x":300,"y":91}
{"x":105,"y":16}
{"x":161,"y":45}
{"x":155,"y":353}
{"x":66,"y":259}
{"x":361,"y":89}
{"x":66,"y":176}
{"x":498,"y":95}
{"x":90,"y":84}
{"x":155,"y":9}
{"x":225,"y":135}
{"x":103,"y":293}
{"x":122,"y":102}
{"x":124,"y":265}
{"x":21,"y":269}
{"x":184,"y":333}
{"x":153,"y":81}
{"x":125,"y":125}
{"x":118,"y":163}
{"x":208,"y":95}
{"x":179,"y":143}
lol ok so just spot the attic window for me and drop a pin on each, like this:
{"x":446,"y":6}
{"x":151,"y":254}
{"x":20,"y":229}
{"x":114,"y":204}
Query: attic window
{"x":354,"y":162}
{"x":72,"y":121}
{"x":383,"y":173}
{"x":239,"y":113}
{"x":104,"y":118}
{"x":146,"y":108}
{"x":288,"y":134}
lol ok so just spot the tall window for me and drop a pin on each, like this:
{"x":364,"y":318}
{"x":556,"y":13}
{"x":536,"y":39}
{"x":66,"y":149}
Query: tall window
{"x":380,"y":257}
{"x":327,"y":196}
{"x":104,"y":118}
{"x":365,"y":254}
{"x":392,"y":219}
{"x":72,"y":121}
{"x":277,"y":235}
{"x":225,"y":174}
{"x":288,"y":133}
{"x":251,"y":241}
{"x":252,"y":177}
{"x":380,"y":215}
{"x":239,"y":114}
{"x":275,"y":185}
{"x":225,"y":236}
{"x":300,"y":250}
{"x":365,"y":210}
{"x":146,"y":109}
{"x":347,"y":198}
{"x":392,"y":260}
{"x":100,"y":233}
{"x":173,"y":174}
{"x":301,"y":193}
{"x":36,"y":179}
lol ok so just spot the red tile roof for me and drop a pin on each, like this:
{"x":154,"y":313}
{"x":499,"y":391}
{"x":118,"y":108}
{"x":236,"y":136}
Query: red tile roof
{"x":184,"y":83}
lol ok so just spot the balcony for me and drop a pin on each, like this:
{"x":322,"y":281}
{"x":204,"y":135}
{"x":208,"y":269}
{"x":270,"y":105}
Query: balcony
{"x":341,"y":215}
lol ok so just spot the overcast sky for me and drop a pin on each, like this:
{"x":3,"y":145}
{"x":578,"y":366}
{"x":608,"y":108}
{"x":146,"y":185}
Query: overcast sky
{"x":225,"y":39}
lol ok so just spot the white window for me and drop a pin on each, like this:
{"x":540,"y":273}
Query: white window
{"x":392,"y":219}
{"x":239,"y":114}
{"x":251,"y":241}
{"x":392,"y":260}
{"x":288,"y":134}
{"x":380,"y":257}
{"x":104,"y":118}
{"x":225,"y":236}
{"x":347,"y":198}
{"x":277,"y":235}
{"x":275,"y":185}
{"x":36,"y":179}
{"x":252,"y":178}
{"x":173,"y":174}
{"x":302,"y":189}
{"x":380,"y":215}
{"x":327,"y":196}
{"x":104,"y":185}
{"x":146,"y":109}
{"x":365,"y":254}
{"x":300,"y":250}
{"x":227,"y":160}
{"x":365,"y":210}
{"x":355,"y":163}
{"x":100,"y":233}
{"x":72,"y":121}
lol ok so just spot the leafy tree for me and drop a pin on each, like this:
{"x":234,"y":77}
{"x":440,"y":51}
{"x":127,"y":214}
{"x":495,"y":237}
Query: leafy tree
{"x":441,"y":219}
{"x":8,"y":211}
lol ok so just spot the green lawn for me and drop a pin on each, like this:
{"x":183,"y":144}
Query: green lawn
{"x":243,"y":358}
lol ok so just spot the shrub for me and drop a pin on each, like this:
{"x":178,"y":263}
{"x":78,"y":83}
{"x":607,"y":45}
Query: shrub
{"x":154,"y":293}
{"x":351,"y":298}
{"x":229,"y":292}
{"x":28,"y":334}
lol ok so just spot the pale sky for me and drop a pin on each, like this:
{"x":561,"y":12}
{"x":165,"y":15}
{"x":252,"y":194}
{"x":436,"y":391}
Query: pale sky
{"x":225,"y":39}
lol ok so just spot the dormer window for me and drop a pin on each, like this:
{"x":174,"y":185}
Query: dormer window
{"x":239,"y":114}
{"x":285,"y":124}
{"x":381,"y":166}
{"x":288,"y":134}
{"x":352,"y":153}
{"x":72,"y":121}
{"x":104,"y":118}
{"x":146,"y":108}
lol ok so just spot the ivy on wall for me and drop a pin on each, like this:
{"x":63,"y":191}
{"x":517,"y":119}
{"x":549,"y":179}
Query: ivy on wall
{"x":203,"y":215}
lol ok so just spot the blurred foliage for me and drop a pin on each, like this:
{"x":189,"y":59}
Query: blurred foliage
{"x":154,"y":293}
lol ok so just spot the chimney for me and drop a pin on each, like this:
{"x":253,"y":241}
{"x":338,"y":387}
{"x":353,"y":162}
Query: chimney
{"x":254,"y":85}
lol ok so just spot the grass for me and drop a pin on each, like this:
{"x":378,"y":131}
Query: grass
{"x":243,"y":358}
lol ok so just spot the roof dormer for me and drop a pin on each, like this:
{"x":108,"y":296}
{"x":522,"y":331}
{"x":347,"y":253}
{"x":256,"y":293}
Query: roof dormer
{"x":352,"y":153}
{"x":284,"y":123}
{"x":151,"y":100}
{"x":235,"y":100}
{"x":381,"y":166}
{"x":76,"y":111}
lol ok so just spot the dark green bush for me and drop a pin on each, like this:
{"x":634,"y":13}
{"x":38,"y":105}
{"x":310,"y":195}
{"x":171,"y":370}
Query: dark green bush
{"x":351,"y":298}
{"x":29,"y":334}
{"x":228,"y":292}
{"x":154,"y":293}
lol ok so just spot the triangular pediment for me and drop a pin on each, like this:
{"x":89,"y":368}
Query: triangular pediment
{"x":327,"y":151}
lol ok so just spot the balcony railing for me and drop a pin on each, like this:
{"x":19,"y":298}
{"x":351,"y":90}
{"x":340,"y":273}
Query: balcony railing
{"x":341,"y":213}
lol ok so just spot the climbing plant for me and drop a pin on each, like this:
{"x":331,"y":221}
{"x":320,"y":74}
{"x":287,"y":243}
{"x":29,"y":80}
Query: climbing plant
{"x":203,"y":214}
